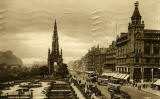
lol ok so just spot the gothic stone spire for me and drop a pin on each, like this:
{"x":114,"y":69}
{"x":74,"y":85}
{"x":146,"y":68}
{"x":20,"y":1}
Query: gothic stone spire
{"x":55,"y":43}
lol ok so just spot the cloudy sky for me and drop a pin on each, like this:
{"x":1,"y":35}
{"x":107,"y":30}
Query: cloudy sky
{"x":26,"y":26}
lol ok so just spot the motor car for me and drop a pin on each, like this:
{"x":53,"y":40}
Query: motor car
{"x":103,"y":80}
{"x":114,"y":88}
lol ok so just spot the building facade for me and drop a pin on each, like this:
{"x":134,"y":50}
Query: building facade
{"x":55,"y":59}
{"x":138,"y":51}
{"x":93,"y":60}
{"x":110,"y":57}
{"x":135,"y":53}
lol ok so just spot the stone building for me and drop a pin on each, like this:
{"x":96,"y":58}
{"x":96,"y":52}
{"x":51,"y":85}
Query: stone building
{"x":135,"y":53}
{"x":95,"y":59}
{"x":55,"y":59}
{"x":138,"y":51}
{"x":110,"y":57}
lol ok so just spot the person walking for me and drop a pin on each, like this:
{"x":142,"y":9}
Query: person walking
{"x":112,"y":96}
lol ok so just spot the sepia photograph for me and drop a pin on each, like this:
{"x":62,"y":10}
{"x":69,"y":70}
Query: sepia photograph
{"x":79,"y":49}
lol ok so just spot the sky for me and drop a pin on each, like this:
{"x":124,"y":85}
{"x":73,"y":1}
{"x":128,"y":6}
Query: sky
{"x":26,"y":26}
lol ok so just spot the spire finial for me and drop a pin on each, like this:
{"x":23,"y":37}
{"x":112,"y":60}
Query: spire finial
{"x":55,"y":21}
{"x":136,"y":4}
{"x":136,"y":13}
{"x":48,"y":50}
{"x":55,"y":24}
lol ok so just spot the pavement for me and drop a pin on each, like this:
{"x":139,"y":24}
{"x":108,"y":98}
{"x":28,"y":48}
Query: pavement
{"x":144,"y":93}
{"x":152,"y":91}
{"x":79,"y":94}
{"x":139,"y":94}
{"x":104,"y":91}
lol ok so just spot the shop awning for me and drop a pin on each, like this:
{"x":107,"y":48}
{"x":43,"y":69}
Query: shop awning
{"x":157,"y":82}
{"x":108,"y":74}
{"x":126,"y":77}
{"x":123,"y":76}
{"x":116,"y":75}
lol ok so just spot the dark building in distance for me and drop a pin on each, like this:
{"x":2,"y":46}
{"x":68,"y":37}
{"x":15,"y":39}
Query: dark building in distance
{"x":55,"y":59}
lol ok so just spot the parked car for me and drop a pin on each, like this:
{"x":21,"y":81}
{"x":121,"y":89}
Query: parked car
{"x":114,"y":88}
{"x":103,"y":80}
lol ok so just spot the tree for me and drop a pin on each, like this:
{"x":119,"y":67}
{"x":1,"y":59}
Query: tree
{"x":43,"y":71}
{"x":63,"y":71}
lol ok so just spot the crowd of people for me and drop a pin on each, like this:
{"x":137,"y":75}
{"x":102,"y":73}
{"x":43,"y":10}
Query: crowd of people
{"x":88,"y":90}
{"x":139,"y":85}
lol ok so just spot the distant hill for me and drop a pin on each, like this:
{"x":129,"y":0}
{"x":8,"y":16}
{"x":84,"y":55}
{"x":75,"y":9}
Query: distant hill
{"x":9,"y":58}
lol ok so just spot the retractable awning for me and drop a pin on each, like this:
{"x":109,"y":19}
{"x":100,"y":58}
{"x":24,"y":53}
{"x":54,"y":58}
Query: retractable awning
{"x":157,"y":82}
{"x":123,"y":76}
{"x":126,"y":77}
{"x":108,"y":74}
{"x":116,"y":75}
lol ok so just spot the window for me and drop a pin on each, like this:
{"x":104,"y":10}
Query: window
{"x":128,"y":70}
{"x":157,"y":60}
{"x":139,"y":50}
{"x":155,"y":50}
{"x":147,"y":48}
{"x":147,"y":60}
{"x":137,"y":60}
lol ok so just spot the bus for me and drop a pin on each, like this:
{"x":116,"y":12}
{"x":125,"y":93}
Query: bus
{"x":91,"y":76}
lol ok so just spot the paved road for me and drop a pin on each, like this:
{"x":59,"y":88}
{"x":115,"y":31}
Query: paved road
{"x":104,"y":91}
{"x":138,"y":94}
{"x":79,"y":94}
{"x":133,"y":92}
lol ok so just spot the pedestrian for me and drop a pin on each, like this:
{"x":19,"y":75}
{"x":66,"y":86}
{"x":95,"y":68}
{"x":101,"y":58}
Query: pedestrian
{"x":112,"y":95}
{"x":146,"y":85}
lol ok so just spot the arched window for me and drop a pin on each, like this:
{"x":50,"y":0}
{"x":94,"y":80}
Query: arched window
{"x":147,"y":48}
{"x":156,"y":49}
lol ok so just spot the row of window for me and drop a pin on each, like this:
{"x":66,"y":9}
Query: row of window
{"x":148,"y":60}
{"x":148,"y":50}
{"x":121,"y":61}
{"x":137,"y":60}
